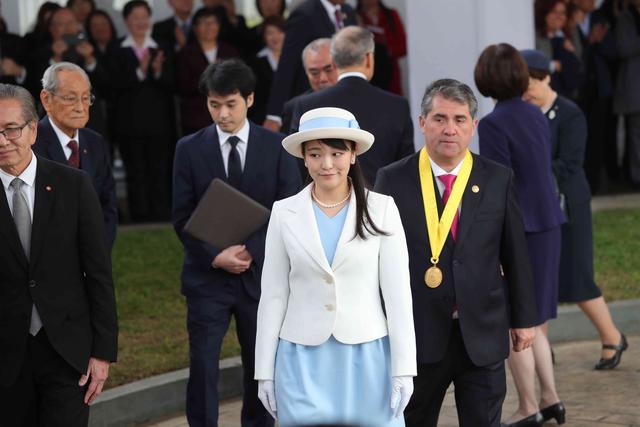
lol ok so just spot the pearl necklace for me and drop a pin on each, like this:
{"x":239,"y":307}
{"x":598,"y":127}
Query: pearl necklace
{"x":329,"y":206}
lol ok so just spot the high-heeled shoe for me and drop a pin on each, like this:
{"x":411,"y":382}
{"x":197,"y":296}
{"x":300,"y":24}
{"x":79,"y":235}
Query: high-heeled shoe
{"x":535,"y":420}
{"x":557,"y":411}
{"x":613,"y":361}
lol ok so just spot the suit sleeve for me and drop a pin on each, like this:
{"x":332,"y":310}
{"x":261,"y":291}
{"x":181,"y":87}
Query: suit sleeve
{"x":96,"y":264}
{"x":273,"y":300}
{"x":107,"y":194}
{"x":514,"y":257}
{"x":396,"y":291}
{"x":184,"y":203}
{"x":406,"y":147}
{"x":382,"y":183}
{"x":572,"y":140}
{"x":494,"y":143}
{"x":289,"y":181}
{"x":295,"y":40}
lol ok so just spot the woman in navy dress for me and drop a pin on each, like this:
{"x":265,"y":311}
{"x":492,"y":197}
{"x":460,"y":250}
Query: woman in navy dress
{"x":326,"y":350}
{"x":517,"y":135}
{"x":568,"y":142}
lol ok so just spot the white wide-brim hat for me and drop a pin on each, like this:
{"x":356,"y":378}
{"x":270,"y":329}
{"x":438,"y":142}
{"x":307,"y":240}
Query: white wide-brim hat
{"x":328,"y":123}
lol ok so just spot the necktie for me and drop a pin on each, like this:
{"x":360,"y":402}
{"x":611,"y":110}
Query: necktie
{"x":339,"y":21}
{"x":234,"y":168}
{"x":74,"y":159}
{"x":22,"y":219}
{"x":448,"y":180}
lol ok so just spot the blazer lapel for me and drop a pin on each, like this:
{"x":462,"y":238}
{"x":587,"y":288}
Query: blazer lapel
{"x":470,"y":200}
{"x":304,"y":228}
{"x":210,"y":149}
{"x":252,"y":158}
{"x":86,"y":158}
{"x":9,"y":232}
{"x":347,"y":234}
{"x":46,"y":189}
{"x":54,"y":149}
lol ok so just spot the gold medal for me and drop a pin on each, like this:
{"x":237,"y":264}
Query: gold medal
{"x":433,"y":277}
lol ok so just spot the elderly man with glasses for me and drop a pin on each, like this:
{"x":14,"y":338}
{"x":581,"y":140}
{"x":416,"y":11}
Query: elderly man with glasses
{"x":62,"y":137}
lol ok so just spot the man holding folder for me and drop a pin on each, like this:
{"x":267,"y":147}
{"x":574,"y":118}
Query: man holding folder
{"x":219,"y":281}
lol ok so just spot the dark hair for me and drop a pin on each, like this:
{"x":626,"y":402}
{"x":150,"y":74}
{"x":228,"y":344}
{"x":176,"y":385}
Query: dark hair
{"x":42,"y":21}
{"x":274,"y":21}
{"x":386,"y":11}
{"x":501,"y":72}
{"x":71,"y":3}
{"x":538,"y":74}
{"x":100,"y":12}
{"x":364,"y":222}
{"x":541,"y":9}
{"x":283,"y":6}
{"x":204,"y":12}
{"x":130,"y":5}
{"x":452,"y":90}
{"x":228,"y":77}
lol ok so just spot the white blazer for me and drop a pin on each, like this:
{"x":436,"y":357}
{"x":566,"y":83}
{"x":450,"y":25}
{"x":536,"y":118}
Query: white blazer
{"x":305,"y":300}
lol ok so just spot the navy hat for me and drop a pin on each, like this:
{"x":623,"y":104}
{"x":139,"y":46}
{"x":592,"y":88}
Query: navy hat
{"x":535,"y":59}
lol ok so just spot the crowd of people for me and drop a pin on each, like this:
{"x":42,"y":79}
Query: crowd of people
{"x":391,"y":275}
{"x":158,"y":66}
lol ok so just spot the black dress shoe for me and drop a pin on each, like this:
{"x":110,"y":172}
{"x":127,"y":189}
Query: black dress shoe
{"x":557,"y":411}
{"x":535,"y":420}
{"x":613,"y":361}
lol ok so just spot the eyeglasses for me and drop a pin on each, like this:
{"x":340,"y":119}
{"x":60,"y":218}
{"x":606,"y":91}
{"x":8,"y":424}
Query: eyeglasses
{"x":73,"y":99}
{"x":13,"y":132}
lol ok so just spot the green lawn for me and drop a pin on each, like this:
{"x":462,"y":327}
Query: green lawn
{"x":153,"y":338}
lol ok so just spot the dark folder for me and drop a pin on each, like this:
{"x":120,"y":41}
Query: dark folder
{"x":225,"y":216}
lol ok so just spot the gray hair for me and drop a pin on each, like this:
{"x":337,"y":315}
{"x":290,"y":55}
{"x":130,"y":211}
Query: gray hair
{"x":452,"y":90}
{"x":350,"y":45}
{"x":20,"y":94}
{"x":50,"y":80}
{"x":315,"y":47}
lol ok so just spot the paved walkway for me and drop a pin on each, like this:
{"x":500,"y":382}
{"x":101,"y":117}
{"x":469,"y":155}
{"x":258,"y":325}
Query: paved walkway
{"x":592,"y":398}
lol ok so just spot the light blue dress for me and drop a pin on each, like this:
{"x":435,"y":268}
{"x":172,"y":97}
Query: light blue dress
{"x":334,"y":383}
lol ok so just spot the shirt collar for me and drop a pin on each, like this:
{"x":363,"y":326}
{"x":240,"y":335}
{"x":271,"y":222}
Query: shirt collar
{"x":266,"y":53}
{"x":242,"y":134}
{"x":28,"y":176}
{"x":352,"y":74}
{"x":331,"y":9}
{"x":181,"y":23}
{"x":438,"y":171}
{"x":63,"y":137}
{"x":148,"y":42}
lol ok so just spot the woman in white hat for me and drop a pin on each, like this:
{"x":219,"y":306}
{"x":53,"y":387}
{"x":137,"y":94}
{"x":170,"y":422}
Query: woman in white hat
{"x":327,"y":352}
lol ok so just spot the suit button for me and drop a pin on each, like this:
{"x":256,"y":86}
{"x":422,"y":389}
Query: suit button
{"x":32,"y":283}
{"x":329,"y":307}
{"x":328,"y":279}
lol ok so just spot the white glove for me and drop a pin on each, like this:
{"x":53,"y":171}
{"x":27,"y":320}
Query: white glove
{"x":267,"y":395}
{"x":401,"y":391}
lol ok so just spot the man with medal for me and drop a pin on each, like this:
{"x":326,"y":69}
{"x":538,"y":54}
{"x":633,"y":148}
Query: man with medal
{"x":470,"y":274}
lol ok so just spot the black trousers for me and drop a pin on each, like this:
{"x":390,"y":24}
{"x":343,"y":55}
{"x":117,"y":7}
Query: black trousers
{"x":207,"y":322}
{"x":46,"y":393}
{"x":479,"y":390}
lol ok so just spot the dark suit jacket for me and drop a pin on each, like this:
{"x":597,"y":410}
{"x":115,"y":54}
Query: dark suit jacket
{"x":264,"y":76}
{"x":307,"y":22}
{"x":568,"y":142}
{"x":516,"y":134}
{"x":94,"y":160}
{"x":163,"y":32}
{"x":597,"y":58}
{"x":289,"y":108}
{"x":143,"y":108}
{"x":190,"y":65}
{"x":68,"y":275}
{"x":382,"y":113}
{"x":490,"y":234}
{"x":269,"y":174}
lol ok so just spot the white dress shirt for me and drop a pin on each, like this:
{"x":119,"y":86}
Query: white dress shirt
{"x":331,"y":11}
{"x":225,"y":147}
{"x":28,"y":176}
{"x":64,"y":139}
{"x":211,"y":54}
